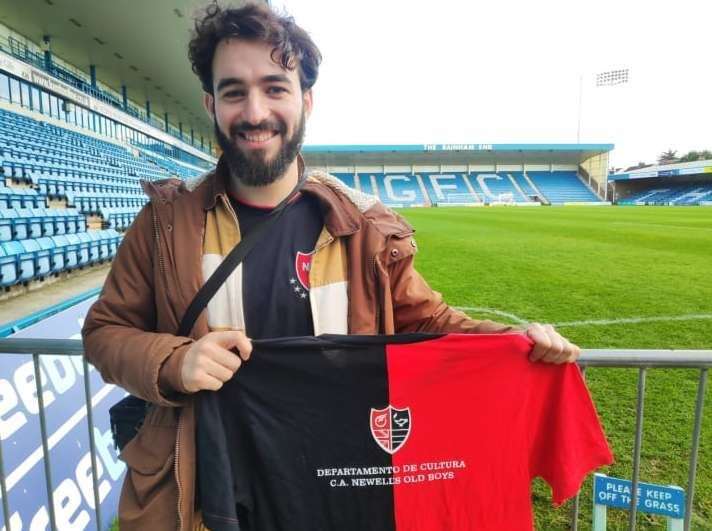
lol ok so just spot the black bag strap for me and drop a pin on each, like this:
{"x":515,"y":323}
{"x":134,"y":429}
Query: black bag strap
{"x":230,"y":262}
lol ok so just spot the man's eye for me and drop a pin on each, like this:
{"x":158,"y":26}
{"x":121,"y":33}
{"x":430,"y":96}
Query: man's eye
{"x":233,"y":94}
{"x":276,"y":90}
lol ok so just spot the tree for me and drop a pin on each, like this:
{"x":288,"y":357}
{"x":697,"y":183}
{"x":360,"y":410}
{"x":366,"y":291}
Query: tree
{"x":667,"y":157}
{"x":690,"y":156}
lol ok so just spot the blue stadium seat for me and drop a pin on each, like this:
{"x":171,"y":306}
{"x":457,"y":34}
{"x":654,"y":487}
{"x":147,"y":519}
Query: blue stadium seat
{"x":8,"y":268}
{"x":5,"y":197}
{"x":6,"y":228}
{"x":46,"y":220}
{"x":60,"y":226}
{"x":112,"y":239}
{"x":70,"y":219}
{"x":97,"y":236}
{"x":20,"y":225}
{"x":16,"y":200}
{"x":70,"y":251}
{"x":34,"y":222}
{"x":41,"y":257}
{"x":24,"y":261}
{"x":91,"y":245}
{"x":82,"y":248}
{"x":30,"y":199}
{"x":56,"y":253}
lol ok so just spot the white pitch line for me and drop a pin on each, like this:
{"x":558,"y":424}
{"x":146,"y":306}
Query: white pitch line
{"x":594,"y":322}
{"x":36,"y":456}
{"x":636,"y":320}
{"x":492,"y":311}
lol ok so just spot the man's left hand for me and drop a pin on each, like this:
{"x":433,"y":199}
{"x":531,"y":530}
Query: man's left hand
{"x":550,"y":346}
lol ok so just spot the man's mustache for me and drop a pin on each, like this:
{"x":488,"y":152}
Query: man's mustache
{"x":265,"y":125}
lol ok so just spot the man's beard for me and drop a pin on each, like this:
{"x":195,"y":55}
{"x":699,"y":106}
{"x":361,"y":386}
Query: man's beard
{"x":250,"y":168}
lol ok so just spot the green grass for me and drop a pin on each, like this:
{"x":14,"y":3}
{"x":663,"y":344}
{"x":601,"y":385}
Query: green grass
{"x":563,"y":265}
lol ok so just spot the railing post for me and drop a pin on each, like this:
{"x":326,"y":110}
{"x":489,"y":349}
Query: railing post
{"x":45,"y":444}
{"x":575,"y":505}
{"x":636,"y":450}
{"x":696,"y":430}
{"x":3,"y":491}
{"x":92,"y":443}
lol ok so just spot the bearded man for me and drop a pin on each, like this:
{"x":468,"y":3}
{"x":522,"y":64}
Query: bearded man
{"x":337,"y":261}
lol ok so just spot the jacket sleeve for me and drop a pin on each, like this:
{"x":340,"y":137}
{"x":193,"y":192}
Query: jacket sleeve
{"x":118,"y":331}
{"x":418,"y":308}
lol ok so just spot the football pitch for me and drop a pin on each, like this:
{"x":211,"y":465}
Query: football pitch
{"x":618,"y":277}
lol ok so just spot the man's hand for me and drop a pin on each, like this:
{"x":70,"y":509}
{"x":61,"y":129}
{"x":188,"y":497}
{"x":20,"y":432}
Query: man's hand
{"x":209,"y":362}
{"x":550,"y":346}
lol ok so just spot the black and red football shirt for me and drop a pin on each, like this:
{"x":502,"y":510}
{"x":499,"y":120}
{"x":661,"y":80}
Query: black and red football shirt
{"x":415,"y":433}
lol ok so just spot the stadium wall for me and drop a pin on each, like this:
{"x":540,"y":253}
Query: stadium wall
{"x":596,"y":170}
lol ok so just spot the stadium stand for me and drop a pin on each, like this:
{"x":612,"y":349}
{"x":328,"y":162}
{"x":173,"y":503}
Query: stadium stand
{"x":562,"y":187}
{"x":56,"y":182}
{"x":119,"y":218}
{"x":672,"y":194}
{"x":34,"y":55}
{"x":526,"y":186}
{"x":423,"y":189}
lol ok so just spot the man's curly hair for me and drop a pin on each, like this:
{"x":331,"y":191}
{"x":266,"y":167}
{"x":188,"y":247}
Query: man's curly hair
{"x":292,"y":46}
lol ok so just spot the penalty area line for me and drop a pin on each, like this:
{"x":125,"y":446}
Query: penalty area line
{"x":593,"y":322}
{"x":636,"y":320}
{"x":492,"y":311}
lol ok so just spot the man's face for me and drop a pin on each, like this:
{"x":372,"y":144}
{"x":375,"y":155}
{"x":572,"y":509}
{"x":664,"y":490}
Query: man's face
{"x":259,"y":111}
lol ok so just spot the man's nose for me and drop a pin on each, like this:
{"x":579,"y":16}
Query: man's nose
{"x":256,"y":109}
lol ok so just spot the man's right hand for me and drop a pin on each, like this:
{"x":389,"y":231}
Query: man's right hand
{"x":210,"y":362}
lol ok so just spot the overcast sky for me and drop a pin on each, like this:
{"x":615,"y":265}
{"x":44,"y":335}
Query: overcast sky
{"x":507,"y":71}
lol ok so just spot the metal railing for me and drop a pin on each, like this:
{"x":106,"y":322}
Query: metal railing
{"x":640,"y":359}
{"x":644,"y":360}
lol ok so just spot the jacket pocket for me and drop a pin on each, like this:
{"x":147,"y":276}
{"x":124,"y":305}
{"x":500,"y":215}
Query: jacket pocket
{"x":149,"y":457}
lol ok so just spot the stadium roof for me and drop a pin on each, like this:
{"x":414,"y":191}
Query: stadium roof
{"x":141,"y":44}
{"x":323,"y":155}
{"x":697,"y":167}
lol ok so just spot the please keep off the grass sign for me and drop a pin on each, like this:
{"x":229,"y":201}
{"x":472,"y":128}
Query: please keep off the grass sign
{"x":656,"y":499}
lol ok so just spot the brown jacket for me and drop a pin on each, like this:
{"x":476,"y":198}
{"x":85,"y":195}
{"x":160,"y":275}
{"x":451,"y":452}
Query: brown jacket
{"x":129,"y":332}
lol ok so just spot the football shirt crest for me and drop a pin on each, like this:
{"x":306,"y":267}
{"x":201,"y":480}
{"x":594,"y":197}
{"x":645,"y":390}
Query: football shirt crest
{"x":390,"y":427}
{"x":302,"y":265}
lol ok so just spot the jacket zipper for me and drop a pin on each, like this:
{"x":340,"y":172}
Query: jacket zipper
{"x":176,"y":472}
{"x":378,"y":294}
{"x":162,"y":267}
{"x":156,"y":234}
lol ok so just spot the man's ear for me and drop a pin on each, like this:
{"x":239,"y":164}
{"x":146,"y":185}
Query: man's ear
{"x":308,"y":102}
{"x":209,"y":104}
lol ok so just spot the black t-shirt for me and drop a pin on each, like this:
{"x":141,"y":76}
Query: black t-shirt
{"x":275,"y":274}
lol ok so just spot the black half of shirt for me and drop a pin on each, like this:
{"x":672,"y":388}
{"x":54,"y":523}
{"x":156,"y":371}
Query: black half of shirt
{"x":275,"y":275}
